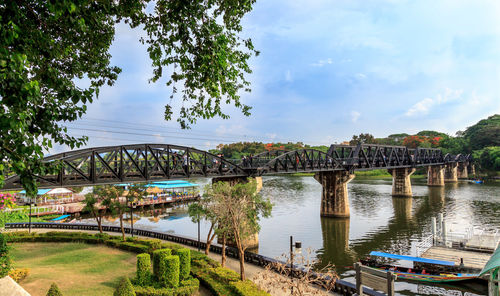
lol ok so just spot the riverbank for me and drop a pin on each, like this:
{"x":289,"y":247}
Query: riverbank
{"x":373,"y":174}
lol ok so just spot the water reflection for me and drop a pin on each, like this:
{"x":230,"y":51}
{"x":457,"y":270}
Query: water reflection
{"x":378,"y":221}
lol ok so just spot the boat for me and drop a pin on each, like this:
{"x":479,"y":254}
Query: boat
{"x":418,"y":275}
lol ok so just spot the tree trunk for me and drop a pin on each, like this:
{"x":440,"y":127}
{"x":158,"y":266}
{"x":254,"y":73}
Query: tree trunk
{"x":223,"y":262}
{"x":98,"y":220}
{"x":209,"y":240}
{"x":242,"y":263}
{"x":121,"y":226}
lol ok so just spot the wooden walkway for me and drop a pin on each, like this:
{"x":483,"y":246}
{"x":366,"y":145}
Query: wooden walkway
{"x":472,"y":260}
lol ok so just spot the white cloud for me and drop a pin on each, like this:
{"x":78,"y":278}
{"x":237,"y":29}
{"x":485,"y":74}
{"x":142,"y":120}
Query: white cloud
{"x":355,"y":116}
{"x":288,"y":76}
{"x":321,"y":63}
{"x":360,"y":76}
{"x":422,"y":107}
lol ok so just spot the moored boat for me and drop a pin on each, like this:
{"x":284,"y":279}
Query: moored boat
{"x":419,"y":275}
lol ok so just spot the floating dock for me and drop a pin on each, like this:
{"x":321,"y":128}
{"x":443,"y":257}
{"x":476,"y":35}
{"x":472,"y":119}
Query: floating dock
{"x":472,"y":261}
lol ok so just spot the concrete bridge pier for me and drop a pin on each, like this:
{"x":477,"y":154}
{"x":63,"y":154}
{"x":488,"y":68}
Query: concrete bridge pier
{"x":450,"y":172}
{"x":471,"y":169}
{"x":252,"y":242}
{"x":462,"y":172}
{"x":334,"y":198}
{"x":401,"y":184}
{"x":435,"y":175}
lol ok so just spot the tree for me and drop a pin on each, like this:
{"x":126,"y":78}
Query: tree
{"x":485,"y":133}
{"x":135,"y":193}
{"x":48,"y":47}
{"x":94,"y":203}
{"x":362,"y":139}
{"x":213,"y":210}
{"x":112,"y":199}
{"x":241,"y":213}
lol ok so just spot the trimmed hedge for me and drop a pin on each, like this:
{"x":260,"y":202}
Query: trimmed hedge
{"x":185,"y":262}
{"x":221,"y":281}
{"x":187,"y":287}
{"x":19,"y":274}
{"x":143,"y":269}
{"x":124,"y":288}
{"x":156,"y":259}
{"x":168,"y":271}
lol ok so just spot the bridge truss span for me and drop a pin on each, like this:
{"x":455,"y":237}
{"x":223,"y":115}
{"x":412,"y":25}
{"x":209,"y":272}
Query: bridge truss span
{"x":132,"y":163}
{"x":155,"y":162}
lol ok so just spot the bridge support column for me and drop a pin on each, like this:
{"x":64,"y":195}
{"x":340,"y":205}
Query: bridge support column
{"x":450,"y":172}
{"x":401,"y":184}
{"x":334,"y":199}
{"x":435,"y":175}
{"x":471,"y":169}
{"x":462,"y":171}
{"x":252,"y":242}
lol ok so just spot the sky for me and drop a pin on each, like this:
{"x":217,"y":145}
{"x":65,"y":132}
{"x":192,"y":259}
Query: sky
{"x":327,"y":70}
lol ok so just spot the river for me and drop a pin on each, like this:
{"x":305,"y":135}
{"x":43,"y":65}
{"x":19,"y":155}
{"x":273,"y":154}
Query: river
{"x":378,"y":221}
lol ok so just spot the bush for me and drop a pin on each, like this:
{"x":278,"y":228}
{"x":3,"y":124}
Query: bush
{"x":168,"y":271}
{"x":143,"y":269}
{"x":4,"y":256}
{"x":124,"y":288}
{"x":54,"y":290}
{"x":226,"y":275}
{"x":19,"y":274}
{"x":187,"y":287}
{"x":247,"y":288}
{"x":185,"y":262}
{"x":156,"y":259}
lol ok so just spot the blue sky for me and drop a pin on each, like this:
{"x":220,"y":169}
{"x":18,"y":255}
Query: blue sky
{"x":327,"y":70}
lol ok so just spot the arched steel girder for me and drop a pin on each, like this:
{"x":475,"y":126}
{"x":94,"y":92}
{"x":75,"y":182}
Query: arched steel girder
{"x":302,"y":160}
{"x":154,"y":162}
{"x":132,"y":163}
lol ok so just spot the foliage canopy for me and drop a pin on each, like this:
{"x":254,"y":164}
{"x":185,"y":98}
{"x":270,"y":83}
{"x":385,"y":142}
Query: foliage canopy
{"x":50,"y":49}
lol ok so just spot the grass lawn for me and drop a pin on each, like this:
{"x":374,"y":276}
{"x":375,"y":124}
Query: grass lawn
{"x":77,"y":268}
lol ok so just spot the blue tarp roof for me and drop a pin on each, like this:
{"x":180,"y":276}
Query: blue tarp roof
{"x":60,"y":218}
{"x":166,"y":184}
{"x":170,"y":186}
{"x":410,"y":258}
{"x":40,"y":191}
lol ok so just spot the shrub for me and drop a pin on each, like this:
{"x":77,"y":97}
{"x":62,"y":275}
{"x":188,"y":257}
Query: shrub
{"x":185,"y":262}
{"x":4,"y":256}
{"x":225,"y":274}
{"x":168,"y":271}
{"x":54,"y":290}
{"x":143,"y":269}
{"x":247,"y":288}
{"x":187,"y":287}
{"x":156,"y":259}
{"x":124,"y":288}
{"x":19,"y":274}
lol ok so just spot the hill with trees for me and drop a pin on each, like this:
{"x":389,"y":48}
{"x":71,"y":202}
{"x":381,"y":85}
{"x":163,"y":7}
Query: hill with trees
{"x":482,"y":140}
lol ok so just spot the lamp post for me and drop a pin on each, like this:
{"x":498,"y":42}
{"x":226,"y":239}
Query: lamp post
{"x":30,"y":217}
{"x":199,"y":232}
{"x":132,"y":207}
{"x":298,"y":249}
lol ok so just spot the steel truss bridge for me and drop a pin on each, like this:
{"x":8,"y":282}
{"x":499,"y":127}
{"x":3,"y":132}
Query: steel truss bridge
{"x":156,"y":162}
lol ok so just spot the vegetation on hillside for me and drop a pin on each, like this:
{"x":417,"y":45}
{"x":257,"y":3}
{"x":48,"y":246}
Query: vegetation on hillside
{"x":482,"y":140}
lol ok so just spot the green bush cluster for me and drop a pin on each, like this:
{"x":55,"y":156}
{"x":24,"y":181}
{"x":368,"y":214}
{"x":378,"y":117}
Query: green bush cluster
{"x":168,"y":271}
{"x":156,"y":258}
{"x":4,"y":256}
{"x":187,"y":287}
{"x":125,"y":288}
{"x":185,"y":263}
{"x":143,"y":269}
{"x":54,"y":290}
{"x":222,"y":281}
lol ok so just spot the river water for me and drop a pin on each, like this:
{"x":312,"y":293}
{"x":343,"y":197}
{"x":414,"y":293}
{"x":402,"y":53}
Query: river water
{"x":378,"y":221}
